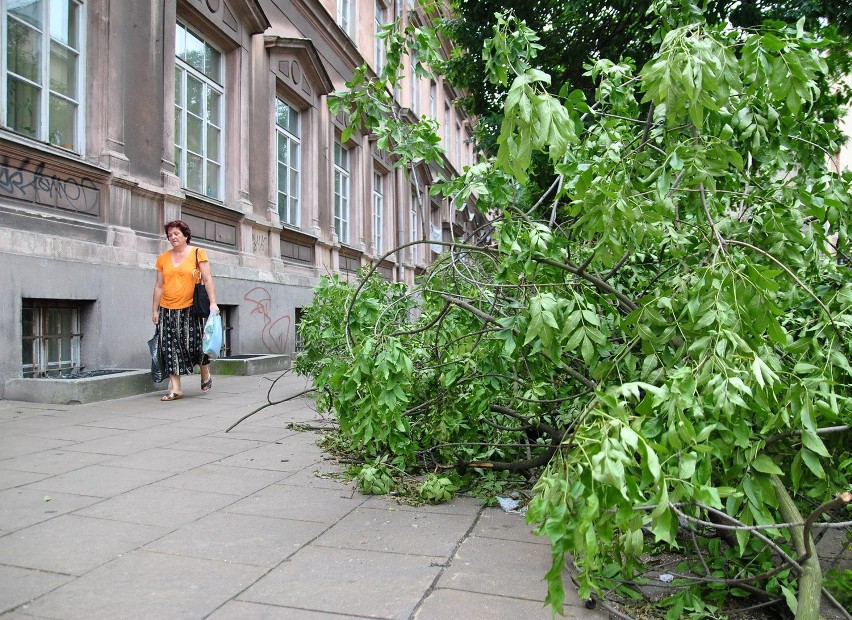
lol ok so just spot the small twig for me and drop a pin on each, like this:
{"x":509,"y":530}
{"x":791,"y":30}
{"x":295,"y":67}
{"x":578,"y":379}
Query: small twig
{"x":269,"y":404}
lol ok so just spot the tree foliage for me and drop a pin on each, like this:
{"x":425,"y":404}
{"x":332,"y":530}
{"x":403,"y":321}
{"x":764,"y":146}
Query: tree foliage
{"x":664,"y":334}
{"x":571,"y":33}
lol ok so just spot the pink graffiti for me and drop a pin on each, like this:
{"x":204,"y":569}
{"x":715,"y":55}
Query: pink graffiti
{"x":276,"y":333}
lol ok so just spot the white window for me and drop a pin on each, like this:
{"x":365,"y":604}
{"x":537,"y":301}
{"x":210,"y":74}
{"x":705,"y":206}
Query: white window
{"x":378,"y":212}
{"x":415,"y":229}
{"x":50,"y":338}
{"x":344,"y":15}
{"x":199,"y":113}
{"x":433,"y":100}
{"x":415,"y":91}
{"x":381,"y":50}
{"x":289,"y":162}
{"x":42,"y":69}
{"x":341,"y":192}
{"x":447,"y":121}
{"x":458,"y":145}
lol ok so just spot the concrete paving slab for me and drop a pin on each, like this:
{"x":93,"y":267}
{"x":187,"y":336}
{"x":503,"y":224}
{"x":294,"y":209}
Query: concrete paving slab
{"x":299,"y":503}
{"x":324,"y":474}
{"x":163,"y":459}
{"x":30,"y":424}
{"x":443,"y":604}
{"x":245,"y":539}
{"x":98,"y":481}
{"x":459,"y":505}
{"x":500,"y":567}
{"x":52,"y":462}
{"x":25,"y":506}
{"x":73,"y":544}
{"x":126,"y":422}
{"x":130,"y":442}
{"x":9,"y":478}
{"x":416,"y":533}
{"x":17,"y":445}
{"x":74,"y":432}
{"x":291,"y":454}
{"x":507,"y":526}
{"x":253,"y":431}
{"x":362,"y":583}
{"x":160,"y":505}
{"x":254,"y":611}
{"x":21,"y":585}
{"x":223,"y":479}
{"x":148,"y":585}
{"x":218,"y":445}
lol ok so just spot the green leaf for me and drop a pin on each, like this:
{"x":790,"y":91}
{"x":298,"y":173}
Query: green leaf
{"x":813,"y":443}
{"x":763,"y":463}
{"x":811,"y":461}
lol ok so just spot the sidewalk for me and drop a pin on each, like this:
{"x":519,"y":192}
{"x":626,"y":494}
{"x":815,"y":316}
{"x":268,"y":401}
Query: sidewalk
{"x":134,"y":508}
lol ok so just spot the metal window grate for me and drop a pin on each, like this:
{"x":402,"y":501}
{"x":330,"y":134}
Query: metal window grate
{"x":50,"y":338}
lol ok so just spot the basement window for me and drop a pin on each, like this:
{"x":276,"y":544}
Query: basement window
{"x":51,"y":336}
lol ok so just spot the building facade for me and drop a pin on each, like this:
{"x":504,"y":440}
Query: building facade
{"x":117,"y":116}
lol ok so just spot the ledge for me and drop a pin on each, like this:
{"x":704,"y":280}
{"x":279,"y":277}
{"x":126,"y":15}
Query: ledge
{"x":241,"y":365}
{"x":81,"y":390}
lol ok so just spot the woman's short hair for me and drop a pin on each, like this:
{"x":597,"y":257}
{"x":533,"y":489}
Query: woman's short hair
{"x":181,"y":226}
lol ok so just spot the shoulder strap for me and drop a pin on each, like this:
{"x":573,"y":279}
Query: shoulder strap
{"x":196,"y":267}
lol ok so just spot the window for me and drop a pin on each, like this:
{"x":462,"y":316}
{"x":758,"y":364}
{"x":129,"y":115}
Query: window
{"x":381,"y":50}
{"x":227,"y":313}
{"x":378,"y":212}
{"x":415,"y":229}
{"x":42,"y":76}
{"x":50,"y":338}
{"x":341,"y":192}
{"x":433,"y":100}
{"x":297,"y":251}
{"x":350,"y":264}
{"x":199,"y":114}
{"x":344,"y":15}
{"x":447,"y":122}
{"x":299,"y":345}
{"x":458,"y":146}
{"x":415,"y":90}
{"x":289,"y":162}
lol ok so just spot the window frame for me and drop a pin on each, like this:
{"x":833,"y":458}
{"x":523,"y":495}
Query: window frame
{"x":293,"y":197}
{"x":345,"y":16}
{"x":44,"y":131}
{"x":415,"y":253}
{"x":183,"y":72}
{"x":380,"y":43}
{"x":342,"y":191}
{"x":378,"y":212}
{"x":40,"y":342}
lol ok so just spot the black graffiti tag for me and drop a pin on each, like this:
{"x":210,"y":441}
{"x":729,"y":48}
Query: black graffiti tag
{"x":28,"y":181}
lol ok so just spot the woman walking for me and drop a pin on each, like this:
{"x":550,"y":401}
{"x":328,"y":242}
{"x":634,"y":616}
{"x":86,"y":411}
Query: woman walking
{"x":180,"y":333}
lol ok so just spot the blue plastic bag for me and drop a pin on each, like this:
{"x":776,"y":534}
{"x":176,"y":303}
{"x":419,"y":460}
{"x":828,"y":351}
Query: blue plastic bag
{"x":211,"y":340}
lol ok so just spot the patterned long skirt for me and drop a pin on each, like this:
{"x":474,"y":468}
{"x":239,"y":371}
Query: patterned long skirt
{"x":180,"y":341}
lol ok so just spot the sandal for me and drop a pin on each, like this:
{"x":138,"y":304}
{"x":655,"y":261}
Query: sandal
{"x":206,"y":385}
{"x":171,"y":396}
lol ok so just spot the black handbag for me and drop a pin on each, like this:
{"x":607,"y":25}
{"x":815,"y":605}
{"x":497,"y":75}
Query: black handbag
{"x":157,"y":371}
{"x":200,"y":299}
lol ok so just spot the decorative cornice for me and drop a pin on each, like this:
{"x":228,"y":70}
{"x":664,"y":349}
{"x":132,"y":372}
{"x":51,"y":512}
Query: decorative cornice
{"x":303,"y":48}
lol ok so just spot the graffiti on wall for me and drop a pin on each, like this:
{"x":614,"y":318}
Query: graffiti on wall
{"x":27,"y":180}
{"x":276,"y":331}
{"x":259,"y":244}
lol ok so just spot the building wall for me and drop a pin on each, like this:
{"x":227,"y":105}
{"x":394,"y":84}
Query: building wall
{"x":81,"y":220}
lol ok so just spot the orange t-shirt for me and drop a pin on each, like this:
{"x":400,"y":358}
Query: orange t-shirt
{"x":178,"y":282}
